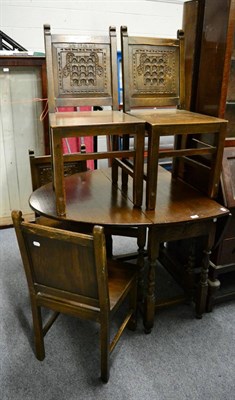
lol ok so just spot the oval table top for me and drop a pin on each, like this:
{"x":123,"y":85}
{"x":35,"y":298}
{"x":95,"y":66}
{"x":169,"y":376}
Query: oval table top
{"x":92,"y":198}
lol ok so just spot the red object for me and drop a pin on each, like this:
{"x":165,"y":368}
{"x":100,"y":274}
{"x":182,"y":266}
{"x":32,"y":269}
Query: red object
{"x":73,"y":144}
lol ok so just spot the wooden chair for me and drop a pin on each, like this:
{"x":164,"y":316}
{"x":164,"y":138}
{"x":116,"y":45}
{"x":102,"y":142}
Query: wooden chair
{"x":41,"y":167}
{"x":82,"y":71}
{"x":41,"y":174}
{"x":68,"y":272}
{"x":154,"y":80}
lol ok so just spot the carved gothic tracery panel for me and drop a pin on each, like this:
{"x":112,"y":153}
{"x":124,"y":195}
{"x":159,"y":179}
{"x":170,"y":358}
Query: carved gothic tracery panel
{"x":83,"y":69}
{"x":155,"y":71}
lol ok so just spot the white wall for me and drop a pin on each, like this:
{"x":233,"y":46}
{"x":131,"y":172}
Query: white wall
{"x":23,"y":19}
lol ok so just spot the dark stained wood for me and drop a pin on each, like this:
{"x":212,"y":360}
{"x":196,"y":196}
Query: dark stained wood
{"x":210,"y":44}
{"x":190,"y":30}
{"x":181,"y":212}
{"x":230,"y":115}
{"x":213,"y":57}
{"x":183,"y":256}
{"x":228,"y":177}
{"x":90,"y":198}
{"x":231,"y":82}
{"x":211,"y":54}
{"x":68,"y":272}
{"x":222,"y":266}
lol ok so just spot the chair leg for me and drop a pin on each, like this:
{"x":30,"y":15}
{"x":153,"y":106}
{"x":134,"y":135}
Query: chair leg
{"x":132,"y":324}
{"x":38,"y":332}
{"x":202,"y":294}
{"x":109,"y":245}
{"x":141,"y":240}
{"x":126,"y":146}
{"x":104,"y":350}
{"x":115,"y":146}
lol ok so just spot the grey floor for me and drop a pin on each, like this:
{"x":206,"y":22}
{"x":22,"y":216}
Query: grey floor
{"x":183,"y":358}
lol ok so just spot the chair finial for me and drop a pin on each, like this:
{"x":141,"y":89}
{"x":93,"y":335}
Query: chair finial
{"x":47,"y":29}
{"x":16,"y":216}
{"x":180,"y":34}
{"x":124,"y":30}
{"x":112,"y":31}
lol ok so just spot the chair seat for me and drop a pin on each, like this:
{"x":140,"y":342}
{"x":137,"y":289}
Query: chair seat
{"x":91,"y":118}
{"x":119,"y":280}
{"x":174,"y":118}
{"x":196,"y":153}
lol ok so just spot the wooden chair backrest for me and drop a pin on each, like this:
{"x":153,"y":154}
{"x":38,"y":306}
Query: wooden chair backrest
{"x":64,"y":264}
{"x":41,"y":168}
{"x":152,"y":71}
{"x":81,"y":70}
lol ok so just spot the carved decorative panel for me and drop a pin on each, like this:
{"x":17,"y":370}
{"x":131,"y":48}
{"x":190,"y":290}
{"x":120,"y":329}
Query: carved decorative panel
{"x":155,"y":70}
{"x":45,"y":171}
{"x":44,"y":175}
{"x":83,"y":69}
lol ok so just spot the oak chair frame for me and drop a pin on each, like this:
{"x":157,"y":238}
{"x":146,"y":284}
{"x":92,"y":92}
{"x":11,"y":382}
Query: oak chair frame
{"x":153,"y":71}
{"x":68,"y":272}
{"x":80,"y":92}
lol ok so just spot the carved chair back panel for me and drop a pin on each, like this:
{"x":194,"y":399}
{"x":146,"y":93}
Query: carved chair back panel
{"x":154,"y":71}
{"x":151,"y":71}
{"x":81,"y":70}
{"x":41,"y":168}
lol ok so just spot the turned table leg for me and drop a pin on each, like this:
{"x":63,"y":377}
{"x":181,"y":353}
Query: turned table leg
{"x":201,"y":298}
{"x":149,"y":301}
{"x":141,"y":240}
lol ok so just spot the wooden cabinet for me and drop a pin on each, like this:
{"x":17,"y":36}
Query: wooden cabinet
{"x":222,"y":265}
{"x":212,"y":91}
{"x":209,"y":42}
{"x":22,"y":85}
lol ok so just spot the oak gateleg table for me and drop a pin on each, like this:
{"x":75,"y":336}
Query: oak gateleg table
{"x":181,"y":212}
